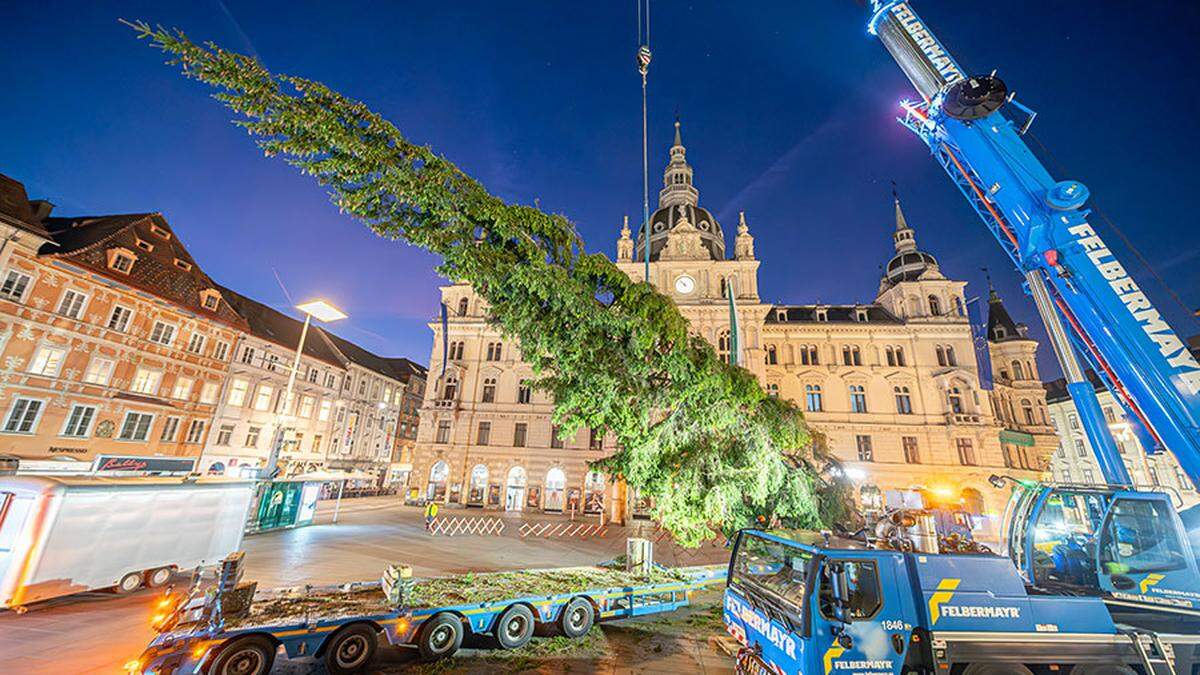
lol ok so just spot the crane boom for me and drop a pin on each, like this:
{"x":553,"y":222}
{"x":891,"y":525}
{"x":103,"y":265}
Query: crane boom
{"x":1089,"y":302}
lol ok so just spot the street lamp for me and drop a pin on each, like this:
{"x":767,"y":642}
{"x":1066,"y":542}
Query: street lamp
{"x":321,"y":310}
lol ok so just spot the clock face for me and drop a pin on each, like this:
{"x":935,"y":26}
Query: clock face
{"x":685,"y":284}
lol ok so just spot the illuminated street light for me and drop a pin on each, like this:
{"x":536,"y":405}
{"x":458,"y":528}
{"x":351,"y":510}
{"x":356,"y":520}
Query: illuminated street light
{"x":321,"y":310}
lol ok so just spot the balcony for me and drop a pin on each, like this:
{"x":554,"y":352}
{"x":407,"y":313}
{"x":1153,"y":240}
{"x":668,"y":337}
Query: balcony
{"x":953,"y":418}
{"x":448,"y":404}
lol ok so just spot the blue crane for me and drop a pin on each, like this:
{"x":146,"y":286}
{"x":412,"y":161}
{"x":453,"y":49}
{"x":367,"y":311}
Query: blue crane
{"x":1126,"y":544}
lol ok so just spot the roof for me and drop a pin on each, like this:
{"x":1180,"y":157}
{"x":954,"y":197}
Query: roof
{"x":667,"y":218}
{"x":998,"y":317}
{"x":272,"y":325}
{"x":15,"y":208}
{"x":780,"y":314}
{"x":397,"y":368}
{"x":1056,"y":391}
{"x":167,"y":270}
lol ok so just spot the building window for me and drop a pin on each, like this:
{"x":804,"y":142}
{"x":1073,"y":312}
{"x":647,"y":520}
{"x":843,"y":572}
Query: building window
{"x":271,"y":363}
{"x":851,"y":355}
{"x":162,"y":333}
{"x":903,"y":400}
{"x":520,"y":430}
{"x":210,"y":299}
{"x":307,"y":403}
{"x":456,"y":350}
{"x":196,"y":343}
{"x":119,"y":319}
{"x":895,"y":356}
{"x":524,"y":392}
{"x":237,"y":392}
{"x":858,"y":398}
{"x":443,"y":432}
{"x":79,"y":422}
{"x":723,"y":345}
{"x":865,"y":452}
{"x":941,"y":355}
{"x":812,"y":398}
{"x":966,"y":451}
{"x":489,"y":390}
{"x":183,"y":265}
{"x":323,"y":410}
{"x":950,"y":358}
{"x":595,"y":439}
{"x":912,"y":454}
{"x":225,"y":435}
{"x":1080,"y":448}
{"x":183,"y":388}
{"x":1108,"y":414}
{"x":99,"y":371}
{"x":248,"y":355}
{"x":1027,"y":410}
{"x":220,"y":350}
{"x":47,"y":360}
{"x":15,"y":285}
{"x":954,"y":396}
{"x":450,"y":390}
{"x":495,"y":350}
{"x":252,"y":435}
{"x":262,"y":398}
{"x":1088,"y":476}
{"x":195,"y":432}
{"x":772,"y":358}
{"x":860,"y":315}
{"x":120,"y":261}
{"x":483,"y":435}
{"x":462,"y":307}
{"x":170,"y":428}
{"x":71,"y":304}
{"x":313,"y":374}
{"x":23,"y":416}
{"x":1017,"y":372}
{"x":208,"y":392}
{"x":1073,"y":420}
{"x":331,"y":380}
{"x":822,"y":315}
{"x":136,"y":426}
{"x":808,"y":355}
{"x":146,"y":381}
{"x":935,"y":306}
{"x":316,"y":446}
{"x":556,"y":440}
{"x":773,"y":390}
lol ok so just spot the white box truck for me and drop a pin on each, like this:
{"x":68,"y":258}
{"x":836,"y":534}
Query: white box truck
{"x":66,"y":534}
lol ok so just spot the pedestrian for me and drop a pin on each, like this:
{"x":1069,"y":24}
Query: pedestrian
{"x":431,"y":511}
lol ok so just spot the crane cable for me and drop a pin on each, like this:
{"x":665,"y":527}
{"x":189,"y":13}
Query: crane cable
{"x":643,"y":63}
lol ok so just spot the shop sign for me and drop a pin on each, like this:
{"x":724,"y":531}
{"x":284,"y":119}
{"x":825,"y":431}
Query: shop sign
{"x":147,"y":464}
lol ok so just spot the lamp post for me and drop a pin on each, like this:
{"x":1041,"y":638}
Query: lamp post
{"x":325,"y":312}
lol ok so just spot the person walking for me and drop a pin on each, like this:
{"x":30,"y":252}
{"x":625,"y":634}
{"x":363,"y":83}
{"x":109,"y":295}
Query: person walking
{"x":431,"y":511}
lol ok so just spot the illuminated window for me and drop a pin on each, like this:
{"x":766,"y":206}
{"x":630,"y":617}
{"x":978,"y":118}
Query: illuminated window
{"x":99,"y":371}
{"x":146,"y":381}
{"x":47,"y":360}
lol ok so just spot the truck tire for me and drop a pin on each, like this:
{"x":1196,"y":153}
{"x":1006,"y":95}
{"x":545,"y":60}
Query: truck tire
{"x":514,"y":628}
{"x":157,"y":578}
{"x":440,"y":636}
{"x":576,"y":618}
{"x":351,"y":649}
{"x":247,"y":655}
{"x":129,"y":583}
{"x":1102,"y":669}
{"x":996,"y":669}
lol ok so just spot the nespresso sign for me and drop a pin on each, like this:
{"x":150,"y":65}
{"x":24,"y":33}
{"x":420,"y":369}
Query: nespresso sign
{"x":150,"y":464}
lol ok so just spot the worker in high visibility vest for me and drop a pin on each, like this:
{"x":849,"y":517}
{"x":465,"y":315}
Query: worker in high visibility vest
{"x":431,"y":511}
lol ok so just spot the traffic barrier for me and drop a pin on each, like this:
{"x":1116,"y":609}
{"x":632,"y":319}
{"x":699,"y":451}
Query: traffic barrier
{"x":456,"y":526}
{"x":550,"y":529}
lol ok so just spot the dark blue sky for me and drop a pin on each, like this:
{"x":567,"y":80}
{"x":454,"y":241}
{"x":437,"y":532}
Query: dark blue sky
{"x":787,"y":112}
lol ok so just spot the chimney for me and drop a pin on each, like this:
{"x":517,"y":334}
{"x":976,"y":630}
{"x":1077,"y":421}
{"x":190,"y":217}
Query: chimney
{"x":41,"y":209}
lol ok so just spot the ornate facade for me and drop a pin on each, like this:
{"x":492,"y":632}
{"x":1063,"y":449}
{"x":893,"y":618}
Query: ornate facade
{"x":893,"y":383}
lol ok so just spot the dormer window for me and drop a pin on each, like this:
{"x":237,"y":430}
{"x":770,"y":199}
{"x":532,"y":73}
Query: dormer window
{"x":183,"y":265}
{"x":121,"y":259}
{"x":159,"y":231}
{"x":822,"y":315}
{"x":860,"y":315}
{"x":145,"y":245}
{"x":210,"y":299}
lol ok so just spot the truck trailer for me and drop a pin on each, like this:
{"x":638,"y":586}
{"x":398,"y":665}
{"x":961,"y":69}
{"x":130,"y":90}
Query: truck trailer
{"x":67,"y":534}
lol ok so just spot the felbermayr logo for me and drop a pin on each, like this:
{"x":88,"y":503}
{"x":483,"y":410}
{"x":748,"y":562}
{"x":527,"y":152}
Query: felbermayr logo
{"x":939,"y":607}
{"x":937,"y":56}
{"x":762,"y":625}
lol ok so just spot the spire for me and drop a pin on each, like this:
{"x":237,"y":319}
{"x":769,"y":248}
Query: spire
{"x":1000,"y":326}
{"x":743,"y":245}
{"x":678,"y":137}
{"x":909,"y":263}
{"x":677,"y":178}
{"x":904,"y":239}
{"x":625,"y":244}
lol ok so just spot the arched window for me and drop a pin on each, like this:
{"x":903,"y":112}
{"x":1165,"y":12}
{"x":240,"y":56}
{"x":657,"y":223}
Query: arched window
{"x":438,"y":473}
{"x":1027,"y":410}
{"x":858,"y":398}
{"x":462,"y":307}
{"x":812,"y":398}
{"x":890,"y":355}
{"x":524,"y":392}
{"x":489,"y":390}
{"x":455,"y":351}
{"x":954,"y":396}
{"x":450,"y":390}
{"x":903,"y":400}
{"x":1018,"y":373}
{"x":950,"y":358}
{"x":723,"y":345}
{"x":724,"y":287}
{"x":1029,"y":371}
{"x":478,"y":485}
{"x":935,"y":306}
{"x":900,"y":357}
{"x":495,"y":351}
{"x":516,"y":477}
{"x":851,"y":355}
{"x":772,"y":357}
{"x":808,"y":355}
{"x":941,"y":355}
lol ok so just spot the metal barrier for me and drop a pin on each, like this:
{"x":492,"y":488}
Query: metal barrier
{"x":480,"y":526}
{"x":581,"y":530}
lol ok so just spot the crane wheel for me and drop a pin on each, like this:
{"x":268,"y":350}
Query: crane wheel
{"x":996,"y":669}
{"x":576,"y":618}
{"x":514,"y":628}
{"x":440,"y":636}
{"x":351,"y":649}
{"x":249,"y":655}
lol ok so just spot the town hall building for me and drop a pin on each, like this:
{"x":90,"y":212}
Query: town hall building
{"x":894,"y":383}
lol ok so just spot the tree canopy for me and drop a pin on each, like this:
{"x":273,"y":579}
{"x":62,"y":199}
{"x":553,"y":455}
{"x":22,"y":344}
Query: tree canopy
{"x":699,"y":436}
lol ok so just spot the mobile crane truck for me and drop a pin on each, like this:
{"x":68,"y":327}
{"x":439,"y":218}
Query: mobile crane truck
{"x":1101,"y":579}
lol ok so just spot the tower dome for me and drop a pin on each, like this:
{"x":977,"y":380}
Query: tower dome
{"x":909,"y":263}
{"x":679,"y":202}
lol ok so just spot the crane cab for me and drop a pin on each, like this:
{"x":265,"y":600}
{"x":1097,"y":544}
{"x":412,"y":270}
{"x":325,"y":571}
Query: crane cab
{"x":1128,"y":546}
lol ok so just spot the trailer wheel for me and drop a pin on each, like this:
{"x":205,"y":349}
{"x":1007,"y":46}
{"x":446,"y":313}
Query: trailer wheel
{"x":129,"y":583}
{"x":350,"y":649}
{"x":157,"y":578}
{"x":1102,"y":669}
{"x":440,"y":636}
{"x":996,"y":669}
{"x":576,"y":618}
{"x":248,"y":655}
{"x":514,"y":628}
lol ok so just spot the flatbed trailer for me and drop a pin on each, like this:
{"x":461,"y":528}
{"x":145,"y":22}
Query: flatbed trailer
{"x":346,"y":644}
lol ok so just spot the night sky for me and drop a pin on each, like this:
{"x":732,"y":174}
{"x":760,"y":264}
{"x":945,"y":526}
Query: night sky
{"x":787,"y":109}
